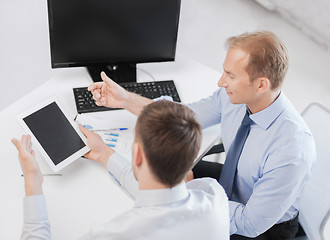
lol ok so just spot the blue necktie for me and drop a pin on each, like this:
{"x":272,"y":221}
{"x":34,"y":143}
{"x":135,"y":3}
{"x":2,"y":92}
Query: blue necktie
{"x":229,"y":168}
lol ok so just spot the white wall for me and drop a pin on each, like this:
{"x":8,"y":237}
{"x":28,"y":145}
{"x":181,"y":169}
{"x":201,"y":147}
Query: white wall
{"x":204,"y":26}
{"x":311,"y":17}
{"x":24,"y":48}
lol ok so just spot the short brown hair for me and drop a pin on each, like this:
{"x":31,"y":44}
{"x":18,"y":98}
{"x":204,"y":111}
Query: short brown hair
{"x":268,"y":55}
{"x":171,"y":137}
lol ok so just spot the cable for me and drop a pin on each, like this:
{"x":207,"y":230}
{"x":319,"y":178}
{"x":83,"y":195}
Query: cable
{"x":144,"y":71}
{"x":149,"y":74}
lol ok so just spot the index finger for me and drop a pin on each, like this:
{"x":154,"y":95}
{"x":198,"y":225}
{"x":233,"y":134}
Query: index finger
{"x":25,"y":141}
{"x":96,"y":94}
{"x":97,"y":85}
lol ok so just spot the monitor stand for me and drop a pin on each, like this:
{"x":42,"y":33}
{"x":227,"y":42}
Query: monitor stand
{"x":117,"y":72}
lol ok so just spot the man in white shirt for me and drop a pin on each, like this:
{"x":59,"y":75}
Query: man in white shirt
{"x":167,"y":140}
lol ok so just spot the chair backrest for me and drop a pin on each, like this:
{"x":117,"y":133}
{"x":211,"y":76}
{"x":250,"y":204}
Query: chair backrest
{"x":325,"y":227}
{"x":315,"y":200}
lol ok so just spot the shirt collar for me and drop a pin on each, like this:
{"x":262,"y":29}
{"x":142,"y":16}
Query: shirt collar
{"x":267,"y":116}
{"x":161,"y":196}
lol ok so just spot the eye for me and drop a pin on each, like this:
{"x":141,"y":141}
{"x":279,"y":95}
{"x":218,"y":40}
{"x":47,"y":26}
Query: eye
{"x":231,"y":76}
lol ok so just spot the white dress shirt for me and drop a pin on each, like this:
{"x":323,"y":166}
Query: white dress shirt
{"x":197,"y":210}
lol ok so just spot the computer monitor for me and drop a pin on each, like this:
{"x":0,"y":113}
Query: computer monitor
{"x":112,"y":35}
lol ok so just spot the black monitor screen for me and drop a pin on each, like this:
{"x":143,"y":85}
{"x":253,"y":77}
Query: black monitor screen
{"x":89,"y":32}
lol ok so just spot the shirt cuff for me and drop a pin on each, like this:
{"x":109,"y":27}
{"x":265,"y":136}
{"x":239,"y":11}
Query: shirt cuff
{"x":34,"y":208}
{"x":233,"y":206}
{"x":168,"y":98}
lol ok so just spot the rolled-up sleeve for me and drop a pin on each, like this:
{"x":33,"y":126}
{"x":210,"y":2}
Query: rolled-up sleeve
{"x":270,"y":199}
{"x":208,"y":110}
{"x":36,"y":223}
{"x":121,"y":171}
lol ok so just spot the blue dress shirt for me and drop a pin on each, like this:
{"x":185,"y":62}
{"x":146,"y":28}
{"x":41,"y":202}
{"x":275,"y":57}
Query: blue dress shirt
{"x":275,"y":163}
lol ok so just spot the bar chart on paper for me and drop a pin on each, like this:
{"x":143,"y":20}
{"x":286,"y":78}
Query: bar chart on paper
{"x":120,"y":138}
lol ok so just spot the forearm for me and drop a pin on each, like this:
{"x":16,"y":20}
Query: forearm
{"x":272,"y":199}
{"x":208,"y":110}
{"x":135,"y":103}
{"x":33,"y":186}
{"x":241,"y":222}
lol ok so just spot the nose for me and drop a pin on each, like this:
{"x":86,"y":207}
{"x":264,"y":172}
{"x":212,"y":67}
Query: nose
{"x":222,"y":81}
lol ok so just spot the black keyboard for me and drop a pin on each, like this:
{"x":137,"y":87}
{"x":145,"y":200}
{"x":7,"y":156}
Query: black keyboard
{"x":85,"y":102}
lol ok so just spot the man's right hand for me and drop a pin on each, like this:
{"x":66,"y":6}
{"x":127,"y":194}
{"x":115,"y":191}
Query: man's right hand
{"x":108,"y":93}
{"x":99,"y":152}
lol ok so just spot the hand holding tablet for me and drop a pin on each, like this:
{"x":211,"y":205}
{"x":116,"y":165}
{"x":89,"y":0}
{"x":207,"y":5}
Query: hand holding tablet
{"x":55,"y":135}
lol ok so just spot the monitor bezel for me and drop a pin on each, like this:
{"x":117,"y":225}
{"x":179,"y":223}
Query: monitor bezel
{"x":113,"y":61}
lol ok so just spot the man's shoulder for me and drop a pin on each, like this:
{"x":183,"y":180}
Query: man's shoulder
{"x":207,"y":186}
{"x":292,"y":138}
{"x":206,"y":204}
{"x":292,"y":122}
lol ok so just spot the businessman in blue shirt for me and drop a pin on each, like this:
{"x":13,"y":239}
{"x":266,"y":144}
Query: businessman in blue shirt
{"x":275,"y":160}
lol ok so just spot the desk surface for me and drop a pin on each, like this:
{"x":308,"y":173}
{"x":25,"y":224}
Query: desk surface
{"x":85,"y":193}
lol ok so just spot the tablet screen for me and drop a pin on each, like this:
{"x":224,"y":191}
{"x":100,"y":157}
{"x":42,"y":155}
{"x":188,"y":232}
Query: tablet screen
{"x":54,"y":132}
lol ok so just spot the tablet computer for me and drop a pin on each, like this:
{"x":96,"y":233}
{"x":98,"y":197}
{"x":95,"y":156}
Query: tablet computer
{"x":57,"y":137}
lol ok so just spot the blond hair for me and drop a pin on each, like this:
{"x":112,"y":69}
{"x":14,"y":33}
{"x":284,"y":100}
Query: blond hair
{"x":268,"y":55}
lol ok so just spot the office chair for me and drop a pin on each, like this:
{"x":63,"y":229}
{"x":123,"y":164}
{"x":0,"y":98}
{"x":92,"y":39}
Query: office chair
{"x":325,"y":227}
{"x":218,"y":148}
{"x":314,"y":212}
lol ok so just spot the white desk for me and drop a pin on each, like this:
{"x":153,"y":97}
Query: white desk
{"x":85,"y":193}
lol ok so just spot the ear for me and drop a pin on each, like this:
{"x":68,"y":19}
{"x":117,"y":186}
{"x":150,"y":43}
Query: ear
{"x":263,"y":84}
{"x":137,"y":154}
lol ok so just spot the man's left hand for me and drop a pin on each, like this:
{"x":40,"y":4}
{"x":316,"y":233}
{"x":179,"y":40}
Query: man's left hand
{"x":32,"y":175}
